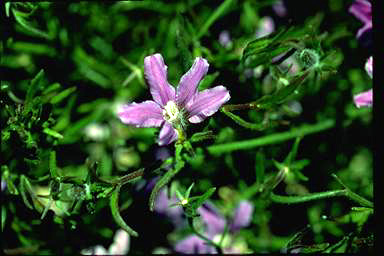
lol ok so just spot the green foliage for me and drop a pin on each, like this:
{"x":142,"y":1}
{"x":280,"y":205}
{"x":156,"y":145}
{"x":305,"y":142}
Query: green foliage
{"x":66,"y":156}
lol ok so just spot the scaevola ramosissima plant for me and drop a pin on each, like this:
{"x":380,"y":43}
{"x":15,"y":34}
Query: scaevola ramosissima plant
{"x":173,"y":108}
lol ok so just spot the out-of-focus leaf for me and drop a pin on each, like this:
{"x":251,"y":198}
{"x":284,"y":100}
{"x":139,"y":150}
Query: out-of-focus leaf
{"x":62,"y":95}
{"x":114,"y":204}
{"x":269,"y":101}
{"x":207,"y":81}
{"x":35,"y":84}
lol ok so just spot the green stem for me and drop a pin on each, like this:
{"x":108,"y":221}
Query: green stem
{"x":321,"y":195}
{"x":218,"y":248}
{"x":301,"y":199}
{"x":273,"y":138}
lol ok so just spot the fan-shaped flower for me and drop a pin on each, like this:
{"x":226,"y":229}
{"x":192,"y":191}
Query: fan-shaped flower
{"x":173,"y":108}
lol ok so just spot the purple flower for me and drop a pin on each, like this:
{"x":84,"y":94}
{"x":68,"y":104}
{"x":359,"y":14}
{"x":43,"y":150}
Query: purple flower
{"x":365,"y":99}
{"x":173,"y":108}
{"x":162,"y":203}
{"x":242,"y":217}
{"x":214,"y":224}
{"x":279,"y":8}
{"x":225,"y":39}
{"x":362,"y":10}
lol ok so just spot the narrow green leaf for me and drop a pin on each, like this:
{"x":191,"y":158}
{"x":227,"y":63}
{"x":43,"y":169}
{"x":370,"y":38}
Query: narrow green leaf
{"x":220,"y":11}
{"x":53,"y":133}
{"x":34,"y":86}
{"x":62,"y":95}
{"x":260,"y":166}
{"x":292,"y":154}
{"x":52,"y":164}
{"x":197,"y":201}
{"x":28,"y":27}
{"x":164,"y":181}
{"x":25,"y":187}
{"x":189,"y":190}
{"x":3,"y":216}
{"x":207,"y":81}
{"x":114,"y":204}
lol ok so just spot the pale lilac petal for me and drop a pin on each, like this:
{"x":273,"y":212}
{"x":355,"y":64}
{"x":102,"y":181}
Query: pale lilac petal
{"x":279,"y":8}
{"x":121,"y":243}
{"x":193,"y":244}
{"x":145,"y":114}
{"x":243,"y":216}
{"x":206,"y":103}
{"x":167,"y":134}
{"x":189,"y":82}
{"x":364,"y":99}
{"x":367,"y":26}
{"x":213,"y":221}
{"x":362,"y":10}
{"x":155,"y":72}
{"x":369,"y":66}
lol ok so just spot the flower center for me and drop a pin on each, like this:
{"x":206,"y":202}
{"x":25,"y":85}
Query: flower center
{"x":171,"y":111}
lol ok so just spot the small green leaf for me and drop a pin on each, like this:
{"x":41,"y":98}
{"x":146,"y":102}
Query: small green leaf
{"x":25,"y":187}
{"x":207,"y":81}
{"x":53,"y":133}
{"x":197,"y":201}
{"x":34,"y":86}
{"x":52,"y":165}
{"x":189,"y":190}
{"x":114,"y":204}
{"x":62,"y":95}
{"x":3,"y":216}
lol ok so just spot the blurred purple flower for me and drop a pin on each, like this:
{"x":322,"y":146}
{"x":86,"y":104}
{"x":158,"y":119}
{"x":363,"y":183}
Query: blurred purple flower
{"x":362,"y":10}
{"x":365,"y":99}
{"x":242,"y":217}
{"x":214,"y":224}
{"x":162,"y":203}
{"x":225,"y":39}
{"x":279,"y":8}
{"x":171,"y":108}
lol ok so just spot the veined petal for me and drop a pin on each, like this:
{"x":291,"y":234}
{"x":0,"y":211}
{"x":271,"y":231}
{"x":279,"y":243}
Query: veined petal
{"x":362,"y":10}
{"x":145,"y":114}
{"x":206,"y":103}
{"x":189,"y":82}
{"x":167,"y":134}
{"x":364,"y":99}
{"x":155,"y":72}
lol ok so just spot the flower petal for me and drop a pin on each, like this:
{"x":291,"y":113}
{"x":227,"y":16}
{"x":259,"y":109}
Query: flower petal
{"x":193,"y":244}
{"x":206,"y":103}
{"x":213,"y":221}
{"x":243,"y":216}
{"x":167,"y":134}
{"x":362,"y":10}
{"x":189,"y":82}
{"x":155,"y":72}
{"x":369,"y":66}
{"x":145,"y":114}
{"x":364,"y":99}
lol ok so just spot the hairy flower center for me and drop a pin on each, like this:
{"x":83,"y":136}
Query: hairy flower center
{"x":171,"y":111}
